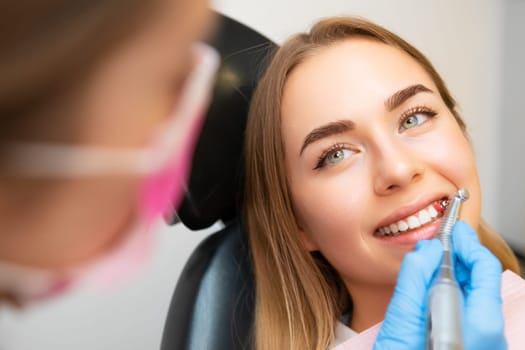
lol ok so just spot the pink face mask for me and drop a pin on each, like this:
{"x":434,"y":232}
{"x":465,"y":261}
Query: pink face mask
{"x":164,"y":167}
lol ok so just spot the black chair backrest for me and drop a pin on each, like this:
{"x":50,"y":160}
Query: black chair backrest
{"x":214,"y":190}
{"x":212,"y":306}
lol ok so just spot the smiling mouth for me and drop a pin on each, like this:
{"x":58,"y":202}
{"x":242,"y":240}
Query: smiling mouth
{"x":421,"y":218}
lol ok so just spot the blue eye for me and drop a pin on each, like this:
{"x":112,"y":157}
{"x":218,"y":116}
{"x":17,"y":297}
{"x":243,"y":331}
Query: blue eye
{"x":415,"y":117}
{"x":333,"y":156}
{"x":337,"y":156}
{"x":414,"y":120}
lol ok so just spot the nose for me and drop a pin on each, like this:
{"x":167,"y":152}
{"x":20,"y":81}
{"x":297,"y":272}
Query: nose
{"x":396,"y":166}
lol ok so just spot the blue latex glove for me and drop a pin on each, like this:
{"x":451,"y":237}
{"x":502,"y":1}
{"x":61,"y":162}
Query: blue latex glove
{"x":478,"y":273}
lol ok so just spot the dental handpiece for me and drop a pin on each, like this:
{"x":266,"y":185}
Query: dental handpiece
{"x":445,"y":303}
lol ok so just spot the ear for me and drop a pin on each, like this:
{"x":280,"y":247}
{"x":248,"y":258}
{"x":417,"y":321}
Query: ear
{"x":307,"y":241}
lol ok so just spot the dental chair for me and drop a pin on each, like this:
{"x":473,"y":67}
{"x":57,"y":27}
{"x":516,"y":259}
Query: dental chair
{"x":213,"y":303}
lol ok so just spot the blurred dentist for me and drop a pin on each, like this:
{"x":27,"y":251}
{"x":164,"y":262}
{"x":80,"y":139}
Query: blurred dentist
{"x":101,"y":103}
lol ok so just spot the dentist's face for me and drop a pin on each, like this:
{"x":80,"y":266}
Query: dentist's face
{"x":131,"y":91}
{"x":370,"y":150}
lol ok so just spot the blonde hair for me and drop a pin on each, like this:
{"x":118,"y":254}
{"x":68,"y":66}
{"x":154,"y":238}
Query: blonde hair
{"x":298,"y":294}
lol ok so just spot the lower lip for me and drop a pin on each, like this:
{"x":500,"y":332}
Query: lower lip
{"x":411,"y":237}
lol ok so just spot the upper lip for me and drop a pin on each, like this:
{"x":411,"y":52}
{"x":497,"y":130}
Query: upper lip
{"x":410,"y":209}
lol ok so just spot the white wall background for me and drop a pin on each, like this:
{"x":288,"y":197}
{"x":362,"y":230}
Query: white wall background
{"x":464,"y":41}
{"x":512,"y":124}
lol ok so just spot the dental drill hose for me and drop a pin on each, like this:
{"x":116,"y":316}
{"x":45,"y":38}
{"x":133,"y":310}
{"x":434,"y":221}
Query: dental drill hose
{"x":445,"y":304}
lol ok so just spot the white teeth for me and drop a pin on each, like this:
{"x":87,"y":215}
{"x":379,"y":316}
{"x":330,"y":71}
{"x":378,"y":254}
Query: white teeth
{"x":402,"y":225}
{"x":424,"y":217}
{"x":432,"y":211}
{"x":394,"y":229}
{"x":413,"y":222}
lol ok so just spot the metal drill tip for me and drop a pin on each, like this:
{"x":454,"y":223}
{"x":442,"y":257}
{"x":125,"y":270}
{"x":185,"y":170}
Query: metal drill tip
{"x":462,"y":194}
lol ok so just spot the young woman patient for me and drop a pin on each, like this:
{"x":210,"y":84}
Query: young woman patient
{"x":353,"y":143}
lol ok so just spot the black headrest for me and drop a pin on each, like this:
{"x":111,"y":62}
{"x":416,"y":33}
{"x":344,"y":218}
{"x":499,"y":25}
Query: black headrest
{"x":213,"y":191}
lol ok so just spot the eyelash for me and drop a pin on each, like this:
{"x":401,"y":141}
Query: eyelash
{"x":429,"y":112}
{"x":322,"y":158}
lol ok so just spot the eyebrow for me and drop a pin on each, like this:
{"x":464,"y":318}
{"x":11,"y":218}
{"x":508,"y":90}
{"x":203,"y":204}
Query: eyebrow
{"x":398,"y":98}
{"x":326,"y":130}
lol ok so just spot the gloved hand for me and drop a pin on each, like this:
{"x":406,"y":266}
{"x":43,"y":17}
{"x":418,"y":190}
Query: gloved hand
{"x":478,"y":273}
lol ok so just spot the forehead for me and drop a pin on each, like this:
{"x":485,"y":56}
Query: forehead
{"x":173,"y":27}
{"x":353,"y":77}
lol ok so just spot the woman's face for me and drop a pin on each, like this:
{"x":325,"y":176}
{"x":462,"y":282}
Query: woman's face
{"x":370,"y":146}
{"x":133,"y":89}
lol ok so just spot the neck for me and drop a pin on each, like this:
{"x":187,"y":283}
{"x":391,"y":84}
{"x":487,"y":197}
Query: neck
{"x":369,"y":304}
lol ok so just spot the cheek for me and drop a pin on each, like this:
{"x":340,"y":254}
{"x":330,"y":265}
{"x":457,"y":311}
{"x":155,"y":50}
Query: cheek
{"x":454,"y":160}
{"x":108,"y":207}
{"x":340,"y":233}
{"x":88,"y":218}
{"x":329,"y":210}
{"x":333,"y":216}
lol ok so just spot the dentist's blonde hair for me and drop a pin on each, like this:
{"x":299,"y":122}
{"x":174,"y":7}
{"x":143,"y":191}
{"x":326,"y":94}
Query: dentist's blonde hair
{"x":299,"y":295}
